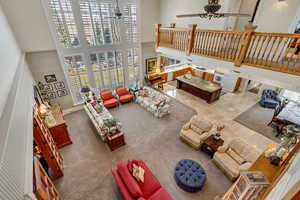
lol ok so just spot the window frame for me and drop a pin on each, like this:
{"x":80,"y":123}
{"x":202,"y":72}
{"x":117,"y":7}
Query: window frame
{"x":86,"y":50}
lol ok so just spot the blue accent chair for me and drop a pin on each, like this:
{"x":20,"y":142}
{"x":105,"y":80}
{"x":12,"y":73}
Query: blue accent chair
{"x":269,"y":99}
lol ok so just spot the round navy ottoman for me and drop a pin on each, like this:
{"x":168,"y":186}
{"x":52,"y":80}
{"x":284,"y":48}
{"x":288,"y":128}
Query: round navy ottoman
{"x":189,"y":175}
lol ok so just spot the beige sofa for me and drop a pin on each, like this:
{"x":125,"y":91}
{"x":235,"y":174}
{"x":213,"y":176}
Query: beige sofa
{"x":235,"y":157}
{"x":196,"y":131}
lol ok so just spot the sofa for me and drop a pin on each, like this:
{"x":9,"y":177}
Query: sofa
{"x":132,"y":189}
{"x":235,"y":157}
{"x":269,"y":99}
{"x":98,"y":119}
{"x":124,"y":95}
{"x":196,"y":131}
{"x":154,"y":101}
{"x":109,"y":100}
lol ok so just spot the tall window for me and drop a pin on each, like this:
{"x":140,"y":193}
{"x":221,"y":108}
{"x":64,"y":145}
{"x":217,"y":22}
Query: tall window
{"x":64,"y":22}
{"x":96,"y":48}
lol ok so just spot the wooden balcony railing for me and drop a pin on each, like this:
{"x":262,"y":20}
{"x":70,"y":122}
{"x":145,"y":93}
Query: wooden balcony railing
{"x":273,"y":51}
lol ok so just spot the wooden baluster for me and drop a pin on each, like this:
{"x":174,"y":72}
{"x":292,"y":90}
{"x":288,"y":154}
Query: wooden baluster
{"x":244,"y":45}
{"x":254,"y":56}
{"x":272,"y":41}
{"x":173,"y":25}
{"x":289,"y":58}
{"x":202,"y":43}
{"x":217,"y":45}
{"x":280,"y":56}
{"x":260,"y":49}
{"x":274,"y":63}
{"x":267,"y":41}
{"x":213,"y":53}
{"x":206,"y":43}
{"x":158,"y":26}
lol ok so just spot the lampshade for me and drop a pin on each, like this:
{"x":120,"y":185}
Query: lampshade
{"x":85,"y":89}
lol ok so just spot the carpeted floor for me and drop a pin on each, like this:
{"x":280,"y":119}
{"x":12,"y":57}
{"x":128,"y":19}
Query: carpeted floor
{"x":257,"y":119}
{"x":88,"y":161}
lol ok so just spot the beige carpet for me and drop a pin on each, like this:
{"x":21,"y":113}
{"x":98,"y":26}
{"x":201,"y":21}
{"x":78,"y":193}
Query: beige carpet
{"x":257,"y":118}
{"x":88,"y":161}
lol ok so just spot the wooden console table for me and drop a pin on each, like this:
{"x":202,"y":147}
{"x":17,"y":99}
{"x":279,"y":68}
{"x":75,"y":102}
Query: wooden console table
{"x":200,"y":88}
{"x":59,"y":131}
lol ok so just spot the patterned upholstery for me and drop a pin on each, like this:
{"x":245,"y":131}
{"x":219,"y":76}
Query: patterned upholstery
{"x":269,"y":99}
{"x":189,"y":175}
{"x":154,"y":101}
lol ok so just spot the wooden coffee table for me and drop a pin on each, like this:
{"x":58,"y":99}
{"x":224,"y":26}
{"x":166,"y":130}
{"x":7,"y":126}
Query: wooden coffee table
{"x":116,"y":141}
{"x":210,"y":145}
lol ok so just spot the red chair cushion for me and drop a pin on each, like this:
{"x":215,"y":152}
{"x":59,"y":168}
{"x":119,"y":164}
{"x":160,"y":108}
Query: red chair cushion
{"x":122,"y":186}
{"x":122,"y":91}
{"x":110,"y":103}
{"x":129,"y":180}
{"x":150,"y":184}
{"x":105,"y":95}
{"x":126,"y":98}
{"x":160,"y":194}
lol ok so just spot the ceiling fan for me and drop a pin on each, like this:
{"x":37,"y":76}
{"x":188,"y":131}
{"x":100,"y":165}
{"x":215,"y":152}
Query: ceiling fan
{"x":211,"y":10}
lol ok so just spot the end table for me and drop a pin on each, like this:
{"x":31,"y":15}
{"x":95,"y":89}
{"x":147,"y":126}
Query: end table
{"x":210,"y":145}
{"x":115,"y":141}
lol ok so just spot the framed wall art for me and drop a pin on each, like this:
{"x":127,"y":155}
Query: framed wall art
{"x":59,"y":85}
{"x":61,"y":93}
{"x":51,"y":78}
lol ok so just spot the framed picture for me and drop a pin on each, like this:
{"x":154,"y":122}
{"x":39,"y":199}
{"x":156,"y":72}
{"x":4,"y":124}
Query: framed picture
{"x":151,"y":65}
{"x":59,"y":85}
{"x":51,"y":95}
{"x":61,"y":93}
{"x":50,"y":78}
{"x":48,"y":87}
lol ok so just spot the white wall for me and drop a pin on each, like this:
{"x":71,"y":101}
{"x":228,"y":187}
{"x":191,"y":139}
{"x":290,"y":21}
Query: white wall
{"x":289,"y":179}
{"x":247,"y":6}
{"x":16,"y":103}
{"x":29,"y":24}
{"x":275,"y":16}
{"x":170,"y":8}
{"x":50,"y":65}
{"x":150,"y":15}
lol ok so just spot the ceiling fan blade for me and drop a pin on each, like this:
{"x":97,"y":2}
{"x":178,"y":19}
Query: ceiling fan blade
{"x":235,"y":15}
{"x":192,"y":15}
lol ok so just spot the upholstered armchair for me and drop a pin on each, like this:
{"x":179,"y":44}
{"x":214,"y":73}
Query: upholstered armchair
{"x":124,"y":94}
{"x":109,"y":100}
{"x":269,"y":99}
{"x":196,"y":131}
{"x":235,"y":157}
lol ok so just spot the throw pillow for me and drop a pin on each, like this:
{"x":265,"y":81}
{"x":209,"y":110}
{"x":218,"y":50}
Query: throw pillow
{"x":131,"y":183}
{"x":138,"y":173}
{"x":235,"y":156}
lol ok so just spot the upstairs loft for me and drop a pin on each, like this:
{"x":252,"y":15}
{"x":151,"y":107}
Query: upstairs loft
{"x":279,"y":52}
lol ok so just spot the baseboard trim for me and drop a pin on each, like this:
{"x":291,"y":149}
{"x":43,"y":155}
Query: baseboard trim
{"x":73,"y":109}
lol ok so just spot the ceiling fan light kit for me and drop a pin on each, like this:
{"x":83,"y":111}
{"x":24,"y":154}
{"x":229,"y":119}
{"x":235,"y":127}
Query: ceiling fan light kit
{"x":211,"y":10}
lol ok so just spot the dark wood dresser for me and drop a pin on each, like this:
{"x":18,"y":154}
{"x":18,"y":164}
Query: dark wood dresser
{"x":59,"y":131}
{"x":206,"y":90}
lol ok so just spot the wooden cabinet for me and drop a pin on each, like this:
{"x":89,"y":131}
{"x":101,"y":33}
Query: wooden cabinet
{"x":181,"y":72}
{"x":59,"y":131}
{"x":43,"y":187}
{"x":249,"y":186}
{"x":45,"y":142}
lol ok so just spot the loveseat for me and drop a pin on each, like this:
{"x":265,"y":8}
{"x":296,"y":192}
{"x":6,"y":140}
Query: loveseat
{"x":154,"y":101}
{"x":235,"y":157}
{"x":269,"y":99}
{"x":132,"y":189}
{"x":196,"y":131}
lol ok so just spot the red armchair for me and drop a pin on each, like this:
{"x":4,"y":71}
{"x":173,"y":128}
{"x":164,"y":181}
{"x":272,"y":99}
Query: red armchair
{"x":109,"y":100}
{"x":132,"y":189}
{"x":124,"y":94}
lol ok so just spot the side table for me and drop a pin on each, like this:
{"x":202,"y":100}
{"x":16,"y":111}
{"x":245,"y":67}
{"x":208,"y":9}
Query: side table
{"x":210,"y":145}
{"x":115,"y":141}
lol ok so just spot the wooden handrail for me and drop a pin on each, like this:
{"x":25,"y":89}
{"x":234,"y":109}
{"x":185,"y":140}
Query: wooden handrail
{"x":274,"y":51}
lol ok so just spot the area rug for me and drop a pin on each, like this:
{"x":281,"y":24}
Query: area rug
{"x":88,"y":161}
{"x":257,"y":118}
